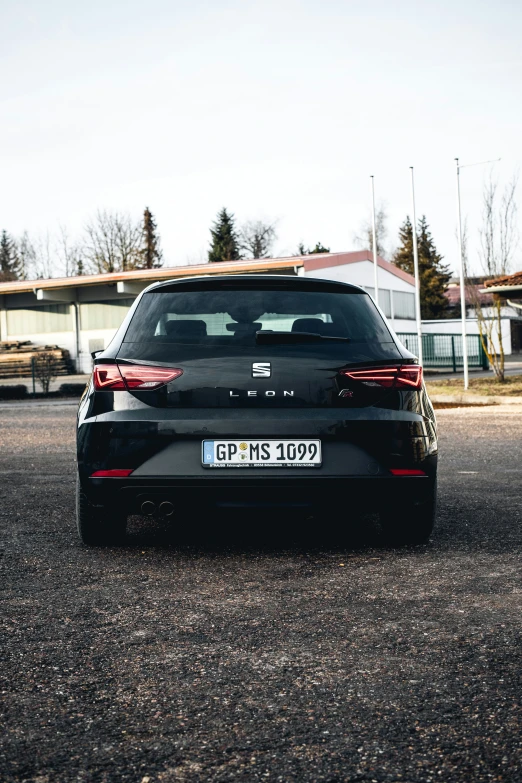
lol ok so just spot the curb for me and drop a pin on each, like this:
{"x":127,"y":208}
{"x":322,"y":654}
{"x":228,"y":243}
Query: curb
{"x":476,"y":399}
{"x":21,"y":404}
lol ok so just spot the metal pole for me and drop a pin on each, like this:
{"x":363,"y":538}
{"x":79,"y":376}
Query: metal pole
{"x":375,"y":262}
{"x":462,"y":284}
{"x":416,"y":270}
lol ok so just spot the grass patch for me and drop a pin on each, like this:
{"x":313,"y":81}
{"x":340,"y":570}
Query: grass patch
{"x":490,"y":387}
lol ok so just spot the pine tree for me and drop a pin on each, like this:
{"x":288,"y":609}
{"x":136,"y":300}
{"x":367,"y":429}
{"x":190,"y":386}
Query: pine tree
{"x":10,"y":266}
{"x":434,"y":275}
{"x":26,"y":255}
{"x":150,"y":254}
{"x":306,"y":251}
{"x":319,"y":248}
{"x":225,"y":241}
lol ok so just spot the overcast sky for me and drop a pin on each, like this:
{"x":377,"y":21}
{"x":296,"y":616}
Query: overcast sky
{"x":277,"y":109}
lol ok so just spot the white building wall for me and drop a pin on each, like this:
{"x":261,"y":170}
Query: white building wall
{"x":362,"y":274}
{"x":92,"y":340}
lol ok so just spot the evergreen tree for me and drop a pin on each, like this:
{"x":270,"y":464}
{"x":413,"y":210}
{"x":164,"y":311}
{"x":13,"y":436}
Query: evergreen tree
{"x":10,"y":266}
{"x":225,"y":241}
{"x":150,"y":254}
{"x":26,"y":255}
{"x":305,"y":251}
{"x":319,"y":248}
{"x":433,"y":274}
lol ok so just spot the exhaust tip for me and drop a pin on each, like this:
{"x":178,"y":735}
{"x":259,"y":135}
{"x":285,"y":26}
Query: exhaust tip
{"x":148,"y":508}
{"x":166,"y":508}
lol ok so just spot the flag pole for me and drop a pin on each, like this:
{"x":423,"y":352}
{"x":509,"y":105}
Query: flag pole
{"x":374,"y":233}
{"x":462,"y":284}
{"x":416,"y":270}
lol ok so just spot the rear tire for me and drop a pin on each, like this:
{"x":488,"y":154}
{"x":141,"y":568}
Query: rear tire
{"x":410,"y":524}
{"x":98,"y":526}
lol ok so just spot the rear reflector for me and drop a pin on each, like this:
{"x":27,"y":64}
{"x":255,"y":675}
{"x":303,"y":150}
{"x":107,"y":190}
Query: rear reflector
{"x":409,"y":376}
{"x":406,"y":472}
{"x":114,"y":473}
{"x":122,"y":377}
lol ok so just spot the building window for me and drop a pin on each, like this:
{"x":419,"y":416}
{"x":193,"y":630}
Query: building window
{"x":403,"y":305}
{"x":39,"y":320}
{"x":104,"y":315}
{"x":384,"y":299}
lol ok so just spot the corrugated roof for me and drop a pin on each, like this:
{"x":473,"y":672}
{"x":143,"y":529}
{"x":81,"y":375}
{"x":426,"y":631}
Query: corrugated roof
{"x":152,"y":275}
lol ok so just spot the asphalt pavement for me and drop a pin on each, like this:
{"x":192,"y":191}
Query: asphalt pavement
{"x":261,"y":653}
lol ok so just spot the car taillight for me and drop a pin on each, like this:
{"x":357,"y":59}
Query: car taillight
{"x":113,"y":473}
{"x":122,"y":377}
{"x":406,"y":472}
{"x":408,"y":376}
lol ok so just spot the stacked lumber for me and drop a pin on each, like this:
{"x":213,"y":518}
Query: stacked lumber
{"x":16,"y":357}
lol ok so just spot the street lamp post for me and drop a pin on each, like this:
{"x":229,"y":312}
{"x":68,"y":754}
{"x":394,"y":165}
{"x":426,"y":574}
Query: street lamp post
{"x":416,"y":270}
{"x":374,"y":233}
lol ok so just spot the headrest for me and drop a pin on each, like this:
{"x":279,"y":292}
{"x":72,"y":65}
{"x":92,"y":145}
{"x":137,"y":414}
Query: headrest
{"x":249,"y":328}
{"x":186,"y":328}
{"x":314,"y":325}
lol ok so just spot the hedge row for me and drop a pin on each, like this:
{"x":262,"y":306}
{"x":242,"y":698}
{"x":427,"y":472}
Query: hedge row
{"x":20,"y":392}
{"x":17,"y":392}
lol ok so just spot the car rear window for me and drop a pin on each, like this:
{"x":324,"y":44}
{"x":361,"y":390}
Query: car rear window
{"x":234,"y":316}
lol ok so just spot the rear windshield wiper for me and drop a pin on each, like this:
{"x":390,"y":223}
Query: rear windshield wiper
{"x":290,"y":338}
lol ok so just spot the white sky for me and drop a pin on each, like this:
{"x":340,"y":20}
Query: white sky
{"x":277,"y":109}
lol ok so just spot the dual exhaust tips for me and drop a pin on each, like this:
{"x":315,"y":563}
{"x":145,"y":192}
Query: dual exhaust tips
{"x":165,"y":508}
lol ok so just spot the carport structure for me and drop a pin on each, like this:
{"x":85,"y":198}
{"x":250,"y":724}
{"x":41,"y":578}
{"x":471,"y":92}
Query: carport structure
{"x":81,"y":314}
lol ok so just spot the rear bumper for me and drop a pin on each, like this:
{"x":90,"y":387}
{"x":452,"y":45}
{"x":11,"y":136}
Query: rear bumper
{"x":163,"y":449}
{"x":348,"y":493}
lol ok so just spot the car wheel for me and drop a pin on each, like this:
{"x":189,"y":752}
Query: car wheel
{"x":409,"y":524}
{"x":98,"y":526}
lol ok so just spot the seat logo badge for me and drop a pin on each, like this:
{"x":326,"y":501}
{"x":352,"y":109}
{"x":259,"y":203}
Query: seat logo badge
{"x":261,"y":370}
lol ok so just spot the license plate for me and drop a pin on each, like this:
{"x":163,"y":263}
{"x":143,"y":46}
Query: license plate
{"x":261,"y":453}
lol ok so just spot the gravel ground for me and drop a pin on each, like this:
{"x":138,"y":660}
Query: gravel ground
{"x":291,"y":661}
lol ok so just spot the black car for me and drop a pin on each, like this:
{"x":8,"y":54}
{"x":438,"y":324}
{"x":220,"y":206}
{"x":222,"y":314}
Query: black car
{"x":256,"y":391}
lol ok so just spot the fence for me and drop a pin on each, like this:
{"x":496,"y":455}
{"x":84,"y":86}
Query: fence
{"x":445,"y":350}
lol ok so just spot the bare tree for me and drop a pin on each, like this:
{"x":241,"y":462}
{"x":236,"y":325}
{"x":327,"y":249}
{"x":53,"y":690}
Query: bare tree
{"x":113,"y":242}
{"x":364,"y":238}
{"x":69,"y":253}
{"x":499,"y":238}
{"x":44,"y":257}
{"x":257,"y":238}
{"x":36,"y":256}
{"x":45,"y":369}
